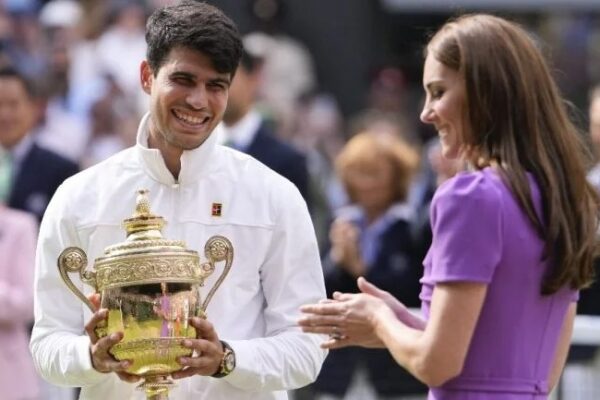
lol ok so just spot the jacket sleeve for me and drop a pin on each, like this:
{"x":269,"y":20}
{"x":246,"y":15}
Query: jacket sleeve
{"x":16,"y":294}
{"x":59,"y":347}
{"x":286,"y":358}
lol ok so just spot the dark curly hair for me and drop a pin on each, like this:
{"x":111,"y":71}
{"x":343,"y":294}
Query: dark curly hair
{"x":197,"y":26}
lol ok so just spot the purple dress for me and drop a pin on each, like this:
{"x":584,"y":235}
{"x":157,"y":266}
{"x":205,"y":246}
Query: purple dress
{"x":480,"y":234}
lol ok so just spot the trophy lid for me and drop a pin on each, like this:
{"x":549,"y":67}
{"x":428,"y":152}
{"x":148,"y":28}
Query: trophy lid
{"x":144,"y":231}
{"x":145,"y":256}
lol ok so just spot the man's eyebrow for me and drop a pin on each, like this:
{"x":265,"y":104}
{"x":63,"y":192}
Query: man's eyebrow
{"x":182,"y":74}
{"x":223,"y":80}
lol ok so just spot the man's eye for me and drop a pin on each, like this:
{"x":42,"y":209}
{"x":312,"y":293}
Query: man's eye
{"x":216,"y":85}
{"x":184,"y":81}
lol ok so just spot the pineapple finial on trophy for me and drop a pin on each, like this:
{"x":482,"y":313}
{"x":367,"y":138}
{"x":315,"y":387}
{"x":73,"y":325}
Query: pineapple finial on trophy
{"x":142,"y":204}
{"x":143,"y":225}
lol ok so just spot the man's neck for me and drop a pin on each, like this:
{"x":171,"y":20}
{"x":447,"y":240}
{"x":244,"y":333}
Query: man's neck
{"x":170,"y":154}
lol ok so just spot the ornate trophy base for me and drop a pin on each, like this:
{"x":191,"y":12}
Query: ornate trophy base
{"x":156,"y":387}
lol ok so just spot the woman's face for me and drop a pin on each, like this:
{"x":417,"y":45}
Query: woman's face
{"x":444,"y":105}
{"x":372,"y":185}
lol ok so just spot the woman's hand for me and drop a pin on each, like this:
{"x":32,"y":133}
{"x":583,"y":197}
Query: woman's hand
{"x":349,"y":320}
{"x":402,"y":313}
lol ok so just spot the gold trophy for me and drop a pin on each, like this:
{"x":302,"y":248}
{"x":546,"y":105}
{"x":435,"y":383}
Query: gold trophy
{"x":151,"y":288}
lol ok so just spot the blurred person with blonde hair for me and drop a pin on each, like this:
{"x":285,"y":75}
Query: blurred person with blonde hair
{"x":372,"y":237}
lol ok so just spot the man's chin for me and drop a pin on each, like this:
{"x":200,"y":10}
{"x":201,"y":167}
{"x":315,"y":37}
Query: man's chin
{"x":188,"y":143}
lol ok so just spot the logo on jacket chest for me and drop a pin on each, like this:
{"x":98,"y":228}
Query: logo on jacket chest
{"x":216,"y":209}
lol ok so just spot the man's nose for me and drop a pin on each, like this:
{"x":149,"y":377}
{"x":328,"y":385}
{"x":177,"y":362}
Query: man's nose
{"x":197,"y":98}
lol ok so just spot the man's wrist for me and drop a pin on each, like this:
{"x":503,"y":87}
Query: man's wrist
{"x":228,"y":361}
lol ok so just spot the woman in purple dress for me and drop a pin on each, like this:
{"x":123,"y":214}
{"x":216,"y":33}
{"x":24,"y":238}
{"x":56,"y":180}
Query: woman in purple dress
{"x":513,"y":237}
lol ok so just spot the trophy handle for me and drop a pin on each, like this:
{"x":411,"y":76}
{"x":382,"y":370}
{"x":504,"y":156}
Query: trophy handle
{"x":217,"y":248}
{"x":74,"y":259}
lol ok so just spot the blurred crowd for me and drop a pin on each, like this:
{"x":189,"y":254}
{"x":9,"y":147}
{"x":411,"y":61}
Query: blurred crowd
{"x":70,"y":97}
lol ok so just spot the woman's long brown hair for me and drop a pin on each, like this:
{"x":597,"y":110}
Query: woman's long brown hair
{"x":518,"y":119}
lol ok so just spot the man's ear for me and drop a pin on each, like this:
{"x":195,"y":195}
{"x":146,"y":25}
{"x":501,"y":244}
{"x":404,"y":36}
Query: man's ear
{"x":146,"y":76}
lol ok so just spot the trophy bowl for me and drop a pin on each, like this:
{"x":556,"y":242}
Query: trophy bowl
{"x":151,"y":287}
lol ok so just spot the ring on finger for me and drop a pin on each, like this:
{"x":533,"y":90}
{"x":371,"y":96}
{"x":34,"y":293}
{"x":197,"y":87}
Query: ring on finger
{"x":335,"y":333}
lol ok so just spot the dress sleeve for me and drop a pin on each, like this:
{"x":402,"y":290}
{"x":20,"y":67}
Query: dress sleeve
{"x":466,"y":220}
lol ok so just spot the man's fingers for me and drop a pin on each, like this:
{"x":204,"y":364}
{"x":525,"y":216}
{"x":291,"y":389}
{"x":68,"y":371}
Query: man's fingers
{"x":96,"y":319}
{"x":199,"y":363}
{"x":124,"y":376}
{"x":102,"y":360}
{"x":201,"y":346}
{"x":94,"y":298}
{"x":204,"y":329}
{"x":109,"y":364}
{"x":105,"y":343}
{"x":184,"y":373}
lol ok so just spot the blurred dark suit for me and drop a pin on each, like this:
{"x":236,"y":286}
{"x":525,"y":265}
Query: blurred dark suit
{"x":280,"y":157}
{"x":39,"y":174}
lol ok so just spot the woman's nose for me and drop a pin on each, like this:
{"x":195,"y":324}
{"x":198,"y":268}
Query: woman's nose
{"x":426,"y":115}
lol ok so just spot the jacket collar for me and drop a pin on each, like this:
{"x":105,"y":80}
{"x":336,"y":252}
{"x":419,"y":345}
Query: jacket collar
{"x":194,"y":163}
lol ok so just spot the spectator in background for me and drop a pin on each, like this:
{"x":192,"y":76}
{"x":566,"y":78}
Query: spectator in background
{"x":121,"y":45}
{"x":18,"y":231}
{"x":372,"y":237}
{"x":435,"y":170}
{"x":63,"y":103}
{"x":246,"y":130}
{"x":113,"y":122}
{"x":35,"y":173}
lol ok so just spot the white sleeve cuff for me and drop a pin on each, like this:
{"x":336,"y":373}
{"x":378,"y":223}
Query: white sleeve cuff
{"x":83,"y":361}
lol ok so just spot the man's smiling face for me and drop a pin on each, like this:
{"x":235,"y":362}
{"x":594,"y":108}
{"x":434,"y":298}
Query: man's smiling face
{"x":187,"y":98}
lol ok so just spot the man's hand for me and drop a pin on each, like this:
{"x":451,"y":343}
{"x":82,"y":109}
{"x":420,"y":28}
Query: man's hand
{"x":102,"y":361}
{"x":208,"y":351}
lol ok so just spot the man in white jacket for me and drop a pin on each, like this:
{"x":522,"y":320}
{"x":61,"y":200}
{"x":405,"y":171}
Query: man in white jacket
{"x":193,"y":51}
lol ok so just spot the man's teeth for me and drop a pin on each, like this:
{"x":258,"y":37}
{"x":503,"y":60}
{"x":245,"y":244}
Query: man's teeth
{"x":189,"y":119}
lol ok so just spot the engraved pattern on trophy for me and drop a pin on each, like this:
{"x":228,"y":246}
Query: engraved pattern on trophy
{"x":151,"y":288}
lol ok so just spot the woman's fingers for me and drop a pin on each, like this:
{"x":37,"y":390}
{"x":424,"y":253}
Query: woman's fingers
{"x":336,"y":343}
{"x":321,"y":320}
